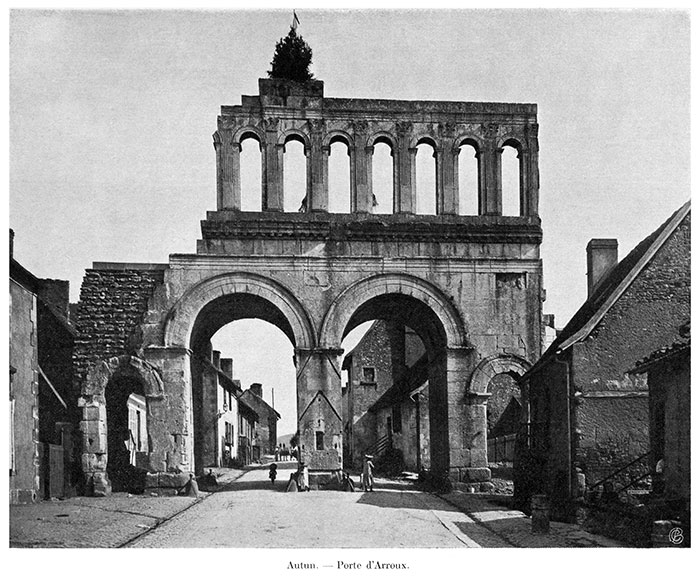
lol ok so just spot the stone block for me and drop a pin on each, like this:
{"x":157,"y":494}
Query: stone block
{"x":94,"y":463}
{"x":99,"y":484}
{"x":476,"y":474}
{"x":172,"y":480}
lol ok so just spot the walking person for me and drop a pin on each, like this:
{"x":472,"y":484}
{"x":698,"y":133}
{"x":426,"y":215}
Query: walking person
{"x":273,"y":473}
{"x":368,"y":474}
{"x":303,"y":477}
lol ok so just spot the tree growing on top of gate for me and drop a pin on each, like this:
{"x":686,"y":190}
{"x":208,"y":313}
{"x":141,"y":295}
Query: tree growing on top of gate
{"x":292,"y":59}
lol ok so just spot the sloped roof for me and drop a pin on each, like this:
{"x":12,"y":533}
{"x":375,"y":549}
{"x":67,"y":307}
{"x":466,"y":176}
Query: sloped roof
{"x":611,"y":288}
{"x":256,"y":401}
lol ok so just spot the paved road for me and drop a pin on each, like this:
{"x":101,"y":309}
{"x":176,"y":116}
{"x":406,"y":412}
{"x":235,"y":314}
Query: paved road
{"x":251,"y":513}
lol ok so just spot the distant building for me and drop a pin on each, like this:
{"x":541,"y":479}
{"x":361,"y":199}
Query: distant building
{"x":248,"y":450}
{"x":266,"y":432}
{"x":377,"y":396}
{"x":584,"y":411}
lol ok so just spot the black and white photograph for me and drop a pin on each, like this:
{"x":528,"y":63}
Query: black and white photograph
{"x":373,"y":278}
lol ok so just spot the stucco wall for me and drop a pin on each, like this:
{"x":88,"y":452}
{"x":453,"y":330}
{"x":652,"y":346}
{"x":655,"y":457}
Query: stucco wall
{"x":24,"y":389}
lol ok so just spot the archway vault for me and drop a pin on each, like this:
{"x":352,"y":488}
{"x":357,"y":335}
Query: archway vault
{"x":181,"y":319}
{"x":494,"y":365}
{"x":351,"y":299}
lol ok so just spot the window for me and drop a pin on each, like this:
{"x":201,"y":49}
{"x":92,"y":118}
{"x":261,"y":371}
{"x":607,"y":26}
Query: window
{"x":368,"y":375}
{"x":319,"y":440}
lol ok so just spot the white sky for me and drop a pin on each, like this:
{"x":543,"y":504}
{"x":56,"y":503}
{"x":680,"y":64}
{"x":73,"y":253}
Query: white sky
{"x":111,"y":116}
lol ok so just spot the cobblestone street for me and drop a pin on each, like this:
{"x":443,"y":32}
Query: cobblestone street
{"x":247,"y":512}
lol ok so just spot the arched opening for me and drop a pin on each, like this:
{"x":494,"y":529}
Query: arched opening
{"x":382,"y":178}
{"x":127,"y":433}
{"x":243,"y":380}
{"x":503,"y":417}
{"x":468,"y":180}
{"x":426,"y":184}
{"x":251,"y":174}
{"x":339,"y":178}
{"x":394,"y":391}
{"x":510,"y":180}
{"x":294,"y":175}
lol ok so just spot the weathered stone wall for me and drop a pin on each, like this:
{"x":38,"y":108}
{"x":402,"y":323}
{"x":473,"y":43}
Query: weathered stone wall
{"x":645,"y":318}
{"x":113,"y":302}
{"x":374,"y":350}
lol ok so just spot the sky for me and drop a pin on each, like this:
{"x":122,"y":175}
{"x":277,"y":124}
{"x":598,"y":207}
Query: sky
{"x":111,"y":117}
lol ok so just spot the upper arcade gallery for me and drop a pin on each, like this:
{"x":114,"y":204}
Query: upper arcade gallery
{"x":285,"y":112}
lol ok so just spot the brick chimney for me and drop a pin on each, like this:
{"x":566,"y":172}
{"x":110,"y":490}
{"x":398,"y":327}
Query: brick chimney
{"x":216,"y":358}
{"x":227,"y":367}
{"x":602,"y":258}
{"x":256,"y":388}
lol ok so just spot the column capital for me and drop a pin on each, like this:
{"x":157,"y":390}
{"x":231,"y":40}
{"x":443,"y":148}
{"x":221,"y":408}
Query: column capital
{"x":326,"y":149}
{"x":369,"y":149}
{"x":413,"y":150}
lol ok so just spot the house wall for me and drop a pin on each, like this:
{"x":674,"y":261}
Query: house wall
{"x":614,"y":423}
{"x":669,"y":382}
{"x":374,"y":350}
{"x":24,"y":390}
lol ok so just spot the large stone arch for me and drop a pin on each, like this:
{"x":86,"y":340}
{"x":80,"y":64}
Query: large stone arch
{"x":343,"y":307}
{"x":181,"y":318}
{"x":494,"y":365}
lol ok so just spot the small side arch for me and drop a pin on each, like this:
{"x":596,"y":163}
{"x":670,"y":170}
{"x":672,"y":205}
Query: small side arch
{"x":246,"y":132}
{"x":100,"y":374}
{"x":494,"y":365}
{"x":294,"y":135}
{"x":424,"y":138}
{"x":469,"y":139}
{"x":337,"y":135}
{"x":510,"y":141}
{"x":382,"y":137}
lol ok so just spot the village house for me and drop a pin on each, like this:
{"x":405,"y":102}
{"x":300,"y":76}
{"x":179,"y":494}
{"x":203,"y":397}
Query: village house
{"x":585,"y":416}
{"x":43,"y":410}
{"x":266,"y":427}
{"x":667,"y":372}
{"x":377,"y":405}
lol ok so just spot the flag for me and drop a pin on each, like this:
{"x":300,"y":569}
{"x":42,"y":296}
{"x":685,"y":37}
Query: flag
{"x":295,"y":21}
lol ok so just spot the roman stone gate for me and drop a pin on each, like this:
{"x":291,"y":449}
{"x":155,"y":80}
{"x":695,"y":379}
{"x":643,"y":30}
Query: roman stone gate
{"x":469,"y":285}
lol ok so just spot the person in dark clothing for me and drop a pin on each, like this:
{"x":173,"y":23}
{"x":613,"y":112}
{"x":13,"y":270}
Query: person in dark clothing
{"x":273,"y":473}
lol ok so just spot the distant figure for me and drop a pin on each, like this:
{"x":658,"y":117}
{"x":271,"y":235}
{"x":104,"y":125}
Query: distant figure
{"x":303,"y":477}
{"x":368,"y":474}
{"x":303,"y":206}
{"x":273,"y":473}
{"x":191,"y":488}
